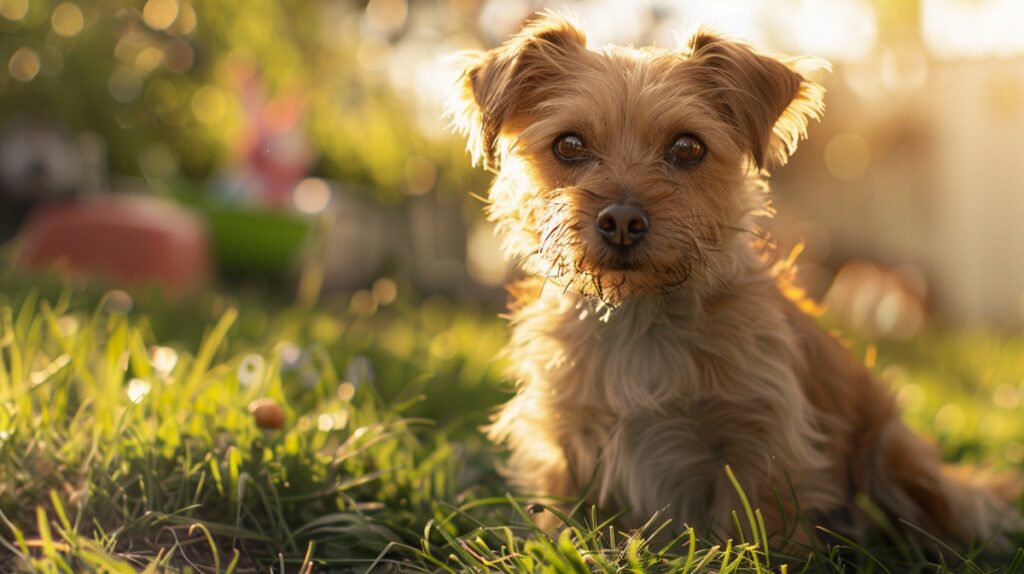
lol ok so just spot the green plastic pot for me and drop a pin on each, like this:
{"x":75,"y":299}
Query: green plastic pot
{"x":256,"y":241}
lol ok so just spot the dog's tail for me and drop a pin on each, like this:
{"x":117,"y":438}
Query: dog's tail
{"x":991,"y":500}
{"x":964,"y":503}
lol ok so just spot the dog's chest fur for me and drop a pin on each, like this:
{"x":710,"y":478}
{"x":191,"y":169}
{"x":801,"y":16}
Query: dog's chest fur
{"x":649,"y":403}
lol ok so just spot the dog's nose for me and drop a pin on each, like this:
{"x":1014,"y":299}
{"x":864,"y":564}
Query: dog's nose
{"x":622,"y":224}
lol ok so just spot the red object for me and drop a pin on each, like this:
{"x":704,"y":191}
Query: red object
{"x":131,"y":240}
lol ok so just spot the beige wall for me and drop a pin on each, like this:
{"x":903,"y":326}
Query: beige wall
{"x":943,"y":192}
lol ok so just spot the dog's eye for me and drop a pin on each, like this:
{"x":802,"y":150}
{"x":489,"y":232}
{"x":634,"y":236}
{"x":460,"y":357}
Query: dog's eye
{"x":686,"y":151}
{"x":569,"y":148}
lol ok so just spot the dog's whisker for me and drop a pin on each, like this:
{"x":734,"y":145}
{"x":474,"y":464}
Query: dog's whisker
{"x":759,"y":235}
{"x":523,"y":259}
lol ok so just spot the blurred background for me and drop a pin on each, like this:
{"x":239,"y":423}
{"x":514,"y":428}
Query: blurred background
{"x":299,"y":146}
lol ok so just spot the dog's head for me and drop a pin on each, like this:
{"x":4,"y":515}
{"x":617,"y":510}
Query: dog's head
{"x":627,"y":171}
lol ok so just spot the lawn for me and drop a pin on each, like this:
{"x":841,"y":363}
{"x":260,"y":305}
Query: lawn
{"x":142,"y":435}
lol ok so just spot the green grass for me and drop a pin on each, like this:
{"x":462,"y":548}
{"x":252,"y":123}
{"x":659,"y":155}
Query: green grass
{"x":126,"y":443}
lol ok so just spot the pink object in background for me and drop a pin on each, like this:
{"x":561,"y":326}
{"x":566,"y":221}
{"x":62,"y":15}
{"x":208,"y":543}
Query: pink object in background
{"x":132,"y":241}
{"x":273,"y":151}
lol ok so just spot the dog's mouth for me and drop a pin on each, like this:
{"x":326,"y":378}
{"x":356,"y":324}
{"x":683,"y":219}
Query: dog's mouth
{"x":622,"y":264}
{"x":611,"y":273}
{"x":621,"y":259}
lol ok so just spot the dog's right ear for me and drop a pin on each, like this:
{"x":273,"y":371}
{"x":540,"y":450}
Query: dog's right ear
{"x":769,"y":100}
{"x":497,"y":86}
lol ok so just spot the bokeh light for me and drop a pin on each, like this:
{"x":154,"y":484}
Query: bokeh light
{"x":13,"y":9}
{"x":118,"y":302}
{"x":160,"y":14}
{"x":24,"y":64}
{"x":950,"y":419}
{"x":363,"y":303}
{"x":420,"y":175}
{"x":877,"y":301}
{"x":910,"y":396}
{"x":386,"y":16}
{"x":149,"y":59}
{"x":312,"y":195}
{"x":898,"y":70}
{"x":186,"y":22}
{"x":67,"y":19}
{"x":346,"y":391}
{"x":209,"y":105}
{"x":179,"y":56}
{"x":847,"y":156}
{"x":384,"y":291}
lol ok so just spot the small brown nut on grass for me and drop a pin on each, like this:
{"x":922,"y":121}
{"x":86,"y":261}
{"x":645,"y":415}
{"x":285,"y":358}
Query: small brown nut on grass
{"x":269,"y":414}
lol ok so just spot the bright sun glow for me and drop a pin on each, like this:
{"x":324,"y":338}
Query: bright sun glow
{"x":954,"y":28}
{"x":838,"y":30}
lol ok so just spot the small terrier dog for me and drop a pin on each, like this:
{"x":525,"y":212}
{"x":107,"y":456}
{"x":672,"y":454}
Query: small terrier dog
{"x":665,"y":347}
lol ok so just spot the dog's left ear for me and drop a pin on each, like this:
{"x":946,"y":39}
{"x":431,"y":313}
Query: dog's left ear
{"x":767,"y":99}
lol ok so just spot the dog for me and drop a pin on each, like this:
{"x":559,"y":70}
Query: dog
{"x":656,"y":343}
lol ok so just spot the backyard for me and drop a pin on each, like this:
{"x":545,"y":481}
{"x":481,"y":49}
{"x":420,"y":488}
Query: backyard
{"x":252,"y":313}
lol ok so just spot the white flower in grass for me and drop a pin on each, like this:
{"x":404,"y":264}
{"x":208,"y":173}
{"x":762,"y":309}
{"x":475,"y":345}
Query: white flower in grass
{"x":332,"y":421}
{"x":250,"y":370}
{"x":163,"y":359}
{"x":138,"y":389}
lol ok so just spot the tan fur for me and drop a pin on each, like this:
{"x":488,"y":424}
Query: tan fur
{"x":646,"y":382}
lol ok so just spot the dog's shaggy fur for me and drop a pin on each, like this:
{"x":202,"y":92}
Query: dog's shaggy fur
{"x":643,"y":374}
